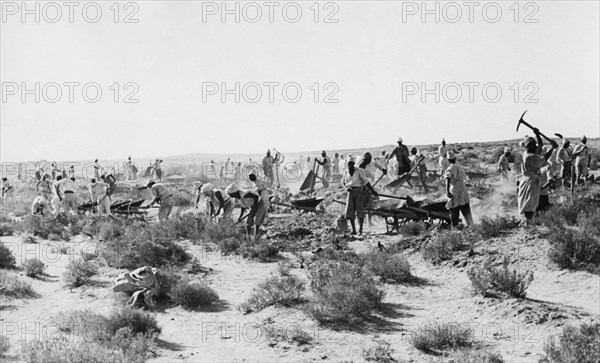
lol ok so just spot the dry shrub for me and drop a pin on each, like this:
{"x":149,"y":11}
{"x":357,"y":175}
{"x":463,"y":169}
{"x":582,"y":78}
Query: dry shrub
{"x":382,"y":353}
{"x":40,"y":226}
{"x":488,"y":279}
{"x":276,"y":334}
{"x":477,"y":356}
{"x":570,"y":248}
{"x":344,"y":293}
{"x":493,"y":227}
{"x":181,"y":200}
{"x":7,"y":259}
{"x":392,"y":267}
{"x":78,"y":273}
{"x":275,"y":290}
{"x":167,"y":278}
{"x":186,"y":226}
{"x":143,"y":244}
{"x":6,"y":229}
{"x":127,"y":335}
{"x":229,"y":245}
{"x":575,"y":345}
{"x":33,"y":267}
{"x":193,"y":295}
{"x":412,"y":228}
{"x":109,"y":231}
{"x":224,"y":229}
{"x":443,"y":245}
{"x":441,"y":337}
{"x":4,"y":345}
{"x":13,"y":286}
{"x":262,"y":250}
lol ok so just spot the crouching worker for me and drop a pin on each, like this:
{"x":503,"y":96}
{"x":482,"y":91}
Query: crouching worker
{"x":249,"y":200}
{"x":458,"y":196}
{"x":163,"y":197}
{"x":216,"y":200}
{"x":40,"y":206}
{"x":141,"y":281}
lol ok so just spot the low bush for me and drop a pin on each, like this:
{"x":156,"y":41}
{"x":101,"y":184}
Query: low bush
{"x":229,"y":245}
{"x":127,"y":335}
{"x":575,"y":345}
{"x":570,"y":248}
{"x":167,"y":278}
{"x":411,"y":228}
{"x":40,"y":226}
{"x":488,"y":279}
{"x":389,"y":266}
{"x":438,"y":337}
{"x":6,"y":229}
{"x":493,"y":227}
{"x":109,"y":231}
{"x":33,"y":267}
{"x":12,"y":286}
{"x":275,"y":290}
{"x":187,"y":226}
{"x":262,"y":250}
{"x":477,"y":356}
{"x":224,"y":229}
{"x":442,"y":246}
{"x":344,"y":293}
{"x":382,"y":353}
{"x":276,"y":334}
{"x":193,"y":295}
{"x":7,"y":259}
{"x":78,"y":273}
{"x":4,"y":345}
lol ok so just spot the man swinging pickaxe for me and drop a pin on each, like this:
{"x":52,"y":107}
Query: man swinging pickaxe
{"x":521,"y":121}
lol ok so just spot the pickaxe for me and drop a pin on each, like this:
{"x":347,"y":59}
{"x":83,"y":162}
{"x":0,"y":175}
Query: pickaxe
{"x":521,"y":121}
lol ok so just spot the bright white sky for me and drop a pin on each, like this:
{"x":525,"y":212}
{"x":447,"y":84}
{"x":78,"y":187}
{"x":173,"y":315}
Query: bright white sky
{"x":369,"y":53}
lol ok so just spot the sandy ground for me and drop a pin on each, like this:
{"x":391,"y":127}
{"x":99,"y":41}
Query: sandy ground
{"x":515,"y":328}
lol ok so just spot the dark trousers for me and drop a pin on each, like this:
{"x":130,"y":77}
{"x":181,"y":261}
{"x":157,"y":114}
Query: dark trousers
{"x":465,"y":209}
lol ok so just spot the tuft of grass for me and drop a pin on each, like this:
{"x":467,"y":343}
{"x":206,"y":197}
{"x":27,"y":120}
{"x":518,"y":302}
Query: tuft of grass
{"x":284,"y":290}
{"x":229,"y":245}
{"x":33,"y":267}
{"x":7,"y":259}
{"x":4,"y":345}
{"x":13,"y":286}
{"x":438,"y":337}
{"x":574,"y":345}
{"x":276,"y":334}
{"x":570,"y":248}
{"x":344,"y":293}
{"x":78,"y":273}
{"x":389,"y":266}
{"x":40,"y":226}
{"x":193,"y":295}
{"x":488,"y":279}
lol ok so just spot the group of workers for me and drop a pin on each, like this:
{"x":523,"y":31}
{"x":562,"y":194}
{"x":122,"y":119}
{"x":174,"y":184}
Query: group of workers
{"x":541,"y":165}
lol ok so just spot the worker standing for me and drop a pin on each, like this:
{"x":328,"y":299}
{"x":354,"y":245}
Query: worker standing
{"x":260,"y":188}
{"x":583,"y":157}
{"x":44,"y":187}
{"x":456,"y":191}
{"x":97,"y":169}
{"x":357,"y":184}
{"x":267,"y":166}
{"x":163,"y":197}
{"x":418,"y":163}
{"x":401,"y":154}
{"x":503,"y":166}
{"x":335,"y":164}
{"x":530,"y":183}
{"x":98,"y":190}
{"x":443,"y":159}
{"x":57,"y":198}
{"x":326,"y":164}
{"x":564,"y":158}
{"x":157,"y":169}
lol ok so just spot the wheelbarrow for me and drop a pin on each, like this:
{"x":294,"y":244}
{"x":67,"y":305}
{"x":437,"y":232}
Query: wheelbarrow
{"x":404,"y":178}
{"x":304,"y":205}
{"x":311,"y":179}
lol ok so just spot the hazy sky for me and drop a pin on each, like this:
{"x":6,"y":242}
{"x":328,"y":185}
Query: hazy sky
{"x":376,"y":60}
